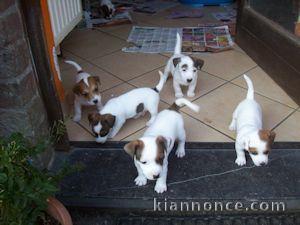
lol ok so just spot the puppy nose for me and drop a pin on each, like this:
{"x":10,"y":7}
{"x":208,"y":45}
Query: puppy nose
{"x":189,"y":80}
{"x":155,"y":176}
{"x":95,"y":101}
{"x":263,"y":163}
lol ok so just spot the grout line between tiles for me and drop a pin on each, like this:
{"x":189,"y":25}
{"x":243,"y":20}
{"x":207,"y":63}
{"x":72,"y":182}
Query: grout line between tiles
{"x":286,"y":118}
{"x":274,"y":100}
{"x":133,"y":133}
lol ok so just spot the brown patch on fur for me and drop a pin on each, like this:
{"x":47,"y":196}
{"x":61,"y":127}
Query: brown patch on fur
{"x":88,"y":92}
{"x":134,"y":148}
{"x":107,"y":122}
{"x":198,"y":63}
{"x":269,"y":137}
{"x":253,"y":151}
{"x":174,"y":107}
{"x":176,"y":61}
{"x":161,"y":148}
{"x":184,"y":66}
{"x":140,"y":108}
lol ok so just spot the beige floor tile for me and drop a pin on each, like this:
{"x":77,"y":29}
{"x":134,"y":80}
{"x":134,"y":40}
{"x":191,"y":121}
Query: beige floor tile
{"x":195,"y":132}
{"x":205,"y":84}
{"x":129,"y":65}
{"x":77,"y":133}
{"x":107,"y":80}
{"x":289,"y":130}
{"x":90,"y":44}
{"x":263,"y":84}
{"x":116,"y":91}
{"x":121,"y":31}
{"x":228,"y":64}
{"x":217,"y":108}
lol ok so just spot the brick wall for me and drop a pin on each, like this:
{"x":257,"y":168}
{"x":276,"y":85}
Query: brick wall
{"x":21,"y":106}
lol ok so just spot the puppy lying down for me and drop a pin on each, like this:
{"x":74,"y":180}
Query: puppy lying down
{"x":151,"y":151}
{"x":247,"y":122}
{"x":107,"y":123}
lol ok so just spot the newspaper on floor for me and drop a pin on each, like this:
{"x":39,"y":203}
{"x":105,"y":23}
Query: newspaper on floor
{"x":194,"y":39}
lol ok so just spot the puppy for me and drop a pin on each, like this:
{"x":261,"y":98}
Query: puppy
{"x":184,"y":70}
{"x":107,"y":9}
{"x":247,"y":122}
{"x":116,"y":111}
{"x":151,"y":151}
{"x":86,"y":90}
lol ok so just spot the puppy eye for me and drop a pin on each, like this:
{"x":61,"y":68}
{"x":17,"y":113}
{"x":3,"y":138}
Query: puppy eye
{"x":195,"y":70}
{"x":85,"y":94}
{"x":266,"y":152}
{"x":254,"y":153}
{"x":96,"y":89}
{"x":183,"y":70}
{"x":144,"y":162}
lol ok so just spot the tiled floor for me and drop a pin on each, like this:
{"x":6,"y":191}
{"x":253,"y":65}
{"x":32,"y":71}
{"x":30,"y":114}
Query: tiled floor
{"x":220,"y":84}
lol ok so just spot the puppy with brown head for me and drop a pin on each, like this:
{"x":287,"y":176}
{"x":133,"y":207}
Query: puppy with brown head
{"x":247,"y":122}
{"x":107,"y":123}
{"x":150,"y":152}
{"x":86,"y":90}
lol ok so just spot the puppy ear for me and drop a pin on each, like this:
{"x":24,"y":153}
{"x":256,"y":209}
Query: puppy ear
{"x":176,"y":61}
{"x":272,"y":136}
{"x":162,"y":142}
{"x":198,"y":63}
{"x":77,"y":89}
{"x":96,"y":79}
{"x":267,"y":135}
{"x":134,"y":148}
{"x":109,"y":120}
{"x":94,"y":118}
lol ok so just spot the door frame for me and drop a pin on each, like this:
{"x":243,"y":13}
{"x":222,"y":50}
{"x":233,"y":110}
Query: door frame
{"x":274,"y":49}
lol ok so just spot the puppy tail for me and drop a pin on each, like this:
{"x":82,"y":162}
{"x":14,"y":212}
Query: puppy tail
{"x":161,"y":82}
{"x":182,"y":101}
{"x":250,"y":93}
{"x":178,"y":44}
{"x":78,"y":68}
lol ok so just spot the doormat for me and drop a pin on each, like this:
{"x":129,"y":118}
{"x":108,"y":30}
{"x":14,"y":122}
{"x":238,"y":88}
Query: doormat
{"x":194,"y":39}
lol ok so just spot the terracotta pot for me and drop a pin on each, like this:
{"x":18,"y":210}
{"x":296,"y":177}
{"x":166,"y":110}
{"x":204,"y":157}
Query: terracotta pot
{"x":58,"y":211}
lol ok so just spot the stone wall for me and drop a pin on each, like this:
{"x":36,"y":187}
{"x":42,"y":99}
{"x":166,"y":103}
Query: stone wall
{"x":21,"y":106}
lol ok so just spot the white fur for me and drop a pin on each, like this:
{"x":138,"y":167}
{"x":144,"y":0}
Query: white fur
{"x":124,"y":107}
{"x":181,"y":77}
{"x":80,"y":100}
{"x":170,"y":125}
{"x":247,"y":122}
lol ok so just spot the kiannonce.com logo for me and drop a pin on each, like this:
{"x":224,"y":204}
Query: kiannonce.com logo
{"x":165,"y":205}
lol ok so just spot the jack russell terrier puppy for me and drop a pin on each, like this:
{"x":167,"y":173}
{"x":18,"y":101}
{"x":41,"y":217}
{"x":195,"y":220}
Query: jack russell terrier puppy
{"x":247,"y":122}
{"x":184,"y":70}
{"x":150,"y":152}
{"x":108,"y":122}
{"x":86,"y":90}
{"x":107,"y":9}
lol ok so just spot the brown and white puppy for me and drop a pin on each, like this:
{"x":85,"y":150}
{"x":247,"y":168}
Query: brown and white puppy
{"x":109,"y":120}
{"x":107,"y":9}
{"x":247,"y":122}
{"x":184,"y":71}
{"x":151,"y":151}
{"x":86,"y":90}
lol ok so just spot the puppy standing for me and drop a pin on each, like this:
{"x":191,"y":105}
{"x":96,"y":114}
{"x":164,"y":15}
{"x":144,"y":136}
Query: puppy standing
{"x":184,"y":70}
{"x":247,"y":121}
{"x":107,"y":9}
{"x":86,"y":90}
{"x":150,"y":152}
{"x":116,"y":111}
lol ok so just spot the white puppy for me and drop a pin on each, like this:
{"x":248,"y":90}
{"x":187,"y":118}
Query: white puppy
{"x":86,"y":90}
{"x":184,"y":70}
{"x":247,"y":122}
{"x":116,"y":111}
{"x":150,"y":152}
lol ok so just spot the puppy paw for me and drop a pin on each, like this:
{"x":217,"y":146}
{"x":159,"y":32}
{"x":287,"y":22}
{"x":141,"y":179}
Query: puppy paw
{"x":180,"y":153}
{"x":140,"y":180}
{"x":191,"y":94}
{"x":178,"y":95}
{"x":160,"y":187}
{"x":77,"y":118}
{"x":241,"y":161}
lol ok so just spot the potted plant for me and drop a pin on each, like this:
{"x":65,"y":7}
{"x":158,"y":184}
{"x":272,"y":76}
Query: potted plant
{"x":26,"y":192}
